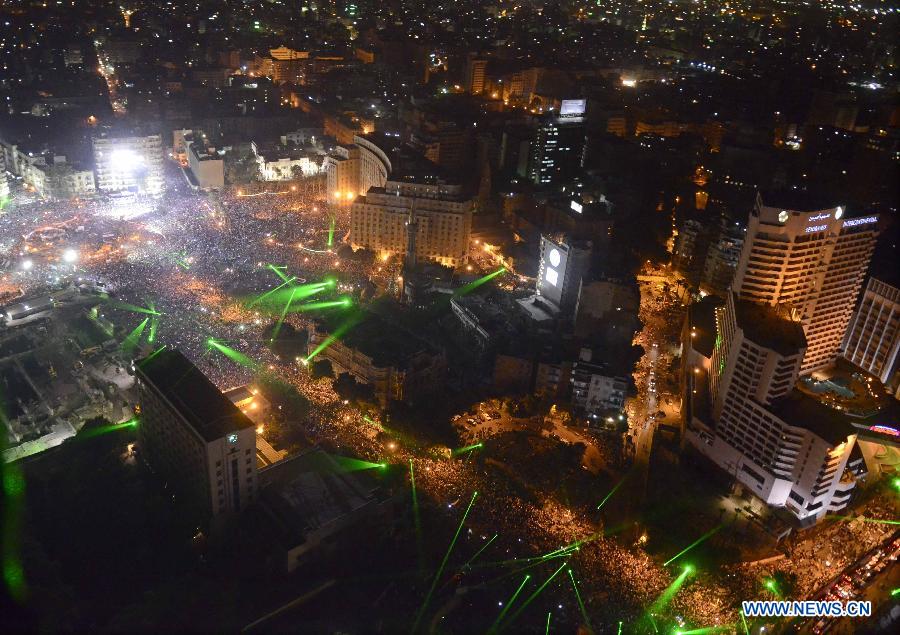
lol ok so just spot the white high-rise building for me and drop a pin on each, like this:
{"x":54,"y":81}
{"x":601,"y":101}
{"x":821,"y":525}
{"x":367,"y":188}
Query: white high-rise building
{"x":129,"y":164}
{"x":873,"y":339}
{"x":784,"y":446}
{"x":811,"y":258}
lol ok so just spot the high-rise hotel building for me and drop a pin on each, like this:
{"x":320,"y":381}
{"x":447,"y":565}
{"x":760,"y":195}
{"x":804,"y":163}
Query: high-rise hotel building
{"x":194,"y":436}
{"x":811,"y":259}
{"x":784,"y":446}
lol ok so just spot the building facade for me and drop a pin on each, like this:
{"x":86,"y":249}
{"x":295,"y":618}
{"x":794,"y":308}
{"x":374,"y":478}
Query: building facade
{"x":194,"y":436}
{"x":351,"y":170}
{"x":812,"y":259}
{"x":783,"y":446}
{"x":873,"y":338}
{"x":129,"y":163}
{"x":557,"y":152}
{"x":443,"y":216}
{"x":206,"y":165}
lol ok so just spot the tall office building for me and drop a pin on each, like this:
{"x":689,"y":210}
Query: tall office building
{"x":561,"y":269}
{"x":557,"y":151}
{"x":873,"y":338}
{"x":811,"y":258}
{"x":475,"y":74}
{"x":783,"y":445}
{"x":129,"y":164}
{"x":443,"y":215}
{"x":194,"y":436}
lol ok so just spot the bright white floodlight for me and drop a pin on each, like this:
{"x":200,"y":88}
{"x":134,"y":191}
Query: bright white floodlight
{"x":70,"y":255}
{"x":126,"y":160}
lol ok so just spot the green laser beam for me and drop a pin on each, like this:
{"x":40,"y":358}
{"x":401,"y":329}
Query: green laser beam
{"x":547,"y":628}
{"x":349,"y":464}
{"x":278,"y":271}
{"x":281,"y":317}
{"x":271,"y":291}
{"x":584,"y":615}
{"x":11,"y":526}
{"x":468,"y":448}
{"x":125,"y":306}
{"x":531,"y":597}
{"x":702,"y":538}
{"x":478,"y":553}
{"x":611,"y":492}
{"x":154,"y":324}
{"x":331,"y":233}
{"x":132,"y":339}
{"x":114,"y":427}
{"x":669,"y":592}
{"x":294,"y":294}
{"x":477,"y":283}
{"x":895,"y":592}
{"x":338,"y":333}
{"x":154,"y":354}
{"x":619,"y":632}
{"x":232,"y":354}
{"x":440,"y":570}
{"x":509,"y":603}
{"x":744,"y":622}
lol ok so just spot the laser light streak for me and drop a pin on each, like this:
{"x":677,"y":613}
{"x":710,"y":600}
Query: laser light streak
{"x":477,"y":283}
{"x":233,"y":355}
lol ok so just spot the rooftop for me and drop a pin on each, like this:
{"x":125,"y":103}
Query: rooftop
{"x":769,"y":327}
{"x":802,"y":411}
{"x":312,"y":492}
{"x":198,"y":400}
{"x":799,"y":200}
{"x":385,"y":343}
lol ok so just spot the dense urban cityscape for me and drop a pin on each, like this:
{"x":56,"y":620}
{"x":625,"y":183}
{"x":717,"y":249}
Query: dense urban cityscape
{"x":340,"y":316}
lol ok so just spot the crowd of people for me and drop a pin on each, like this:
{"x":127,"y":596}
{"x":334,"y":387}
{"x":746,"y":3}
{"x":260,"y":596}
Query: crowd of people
{"x":198,"y":260}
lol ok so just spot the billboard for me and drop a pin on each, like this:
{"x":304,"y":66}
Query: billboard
{"x":552,"y":270}
{"x":572,"y":107}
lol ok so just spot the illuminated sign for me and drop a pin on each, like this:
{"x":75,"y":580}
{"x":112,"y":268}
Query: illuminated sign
{"x":552,"y":270}
{"x":819,"y":217}
{"x":885,"y":430}
{"x":853,"y":222}
{"x":816,"y":228}
{"x":578,"y":207}
{"x":572,"y":107}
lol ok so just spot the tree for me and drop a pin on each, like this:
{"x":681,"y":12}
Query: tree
{"x":321,"y":368}
{"x":348,"y":388}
